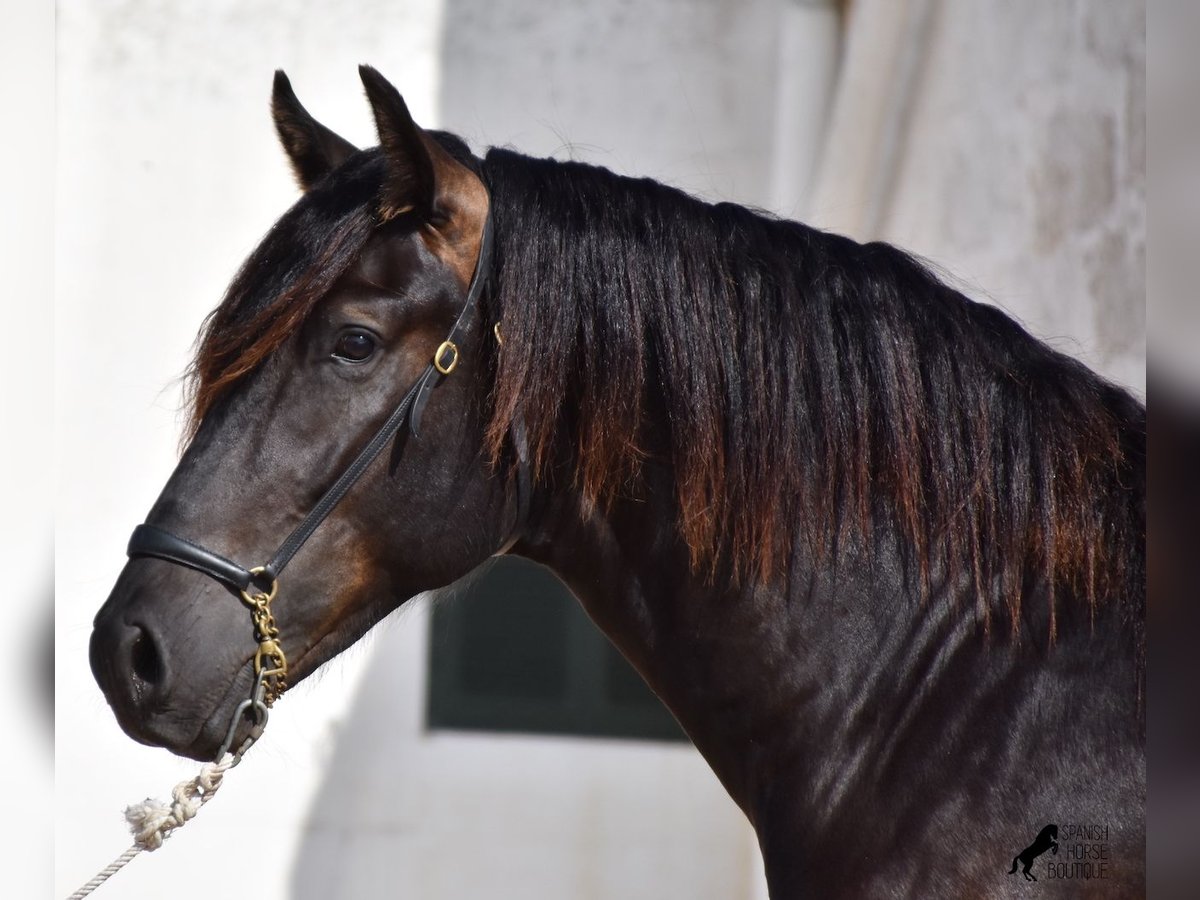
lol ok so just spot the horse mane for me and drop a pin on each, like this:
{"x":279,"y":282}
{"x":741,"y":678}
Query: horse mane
{"x":807,"y":385}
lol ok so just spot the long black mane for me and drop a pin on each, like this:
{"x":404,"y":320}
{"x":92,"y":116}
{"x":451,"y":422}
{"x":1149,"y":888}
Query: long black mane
{"x":807,"y":385}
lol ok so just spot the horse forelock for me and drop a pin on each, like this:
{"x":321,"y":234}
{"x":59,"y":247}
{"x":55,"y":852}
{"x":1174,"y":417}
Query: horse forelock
{"x":307,"y":250}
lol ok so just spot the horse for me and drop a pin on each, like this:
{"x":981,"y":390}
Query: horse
{"x":878,"y":549}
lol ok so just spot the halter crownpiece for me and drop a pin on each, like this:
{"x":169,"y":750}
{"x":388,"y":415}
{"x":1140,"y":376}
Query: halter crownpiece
{"x":258,"y":586}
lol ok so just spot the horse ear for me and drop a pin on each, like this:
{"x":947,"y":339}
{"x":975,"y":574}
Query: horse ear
{"x":421,"y":176}
{"x":313,"y":149}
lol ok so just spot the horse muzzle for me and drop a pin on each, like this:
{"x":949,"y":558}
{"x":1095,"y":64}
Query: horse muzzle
{"x":147,"y":659}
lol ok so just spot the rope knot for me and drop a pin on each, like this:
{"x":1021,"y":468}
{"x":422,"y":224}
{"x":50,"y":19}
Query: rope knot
{"x":152,"y":821}
{"x":149,"y":821}
{"x":187,"y":802}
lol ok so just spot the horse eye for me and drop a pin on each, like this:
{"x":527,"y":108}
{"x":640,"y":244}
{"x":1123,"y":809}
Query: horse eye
{"x":354,"y":346}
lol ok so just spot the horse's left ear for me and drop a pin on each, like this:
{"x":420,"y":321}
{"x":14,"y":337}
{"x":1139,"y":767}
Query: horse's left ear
{"x":313,"y":149}
{"x":421,"y":176}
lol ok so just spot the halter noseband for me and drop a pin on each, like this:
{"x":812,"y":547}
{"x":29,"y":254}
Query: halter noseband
{"x":257,"y":586}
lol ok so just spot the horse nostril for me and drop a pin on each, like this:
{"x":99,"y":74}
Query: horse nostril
{"x":145,"y":660}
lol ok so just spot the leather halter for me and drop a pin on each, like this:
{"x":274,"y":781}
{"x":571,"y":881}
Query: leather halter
{"x":152,"y":541}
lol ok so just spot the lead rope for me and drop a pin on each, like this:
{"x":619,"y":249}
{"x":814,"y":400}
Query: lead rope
{"x":153,"y":821}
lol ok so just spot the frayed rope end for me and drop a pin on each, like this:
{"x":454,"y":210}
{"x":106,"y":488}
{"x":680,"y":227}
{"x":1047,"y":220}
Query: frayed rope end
{"x":152,"y":821}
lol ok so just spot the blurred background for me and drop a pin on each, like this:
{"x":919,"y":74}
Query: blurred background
{"x":495,"y":745}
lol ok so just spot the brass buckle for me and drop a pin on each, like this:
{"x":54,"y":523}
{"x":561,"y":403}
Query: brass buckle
{"x":269,"y":659}
{"x":440,"y":352}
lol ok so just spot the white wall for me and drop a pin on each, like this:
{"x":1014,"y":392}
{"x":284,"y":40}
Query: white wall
{"x":1005,"y":142}
{"x":169,"y":173}
{"x":26,"y":403}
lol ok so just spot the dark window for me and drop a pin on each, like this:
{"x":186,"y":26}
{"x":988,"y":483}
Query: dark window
{"x":513,"y":651}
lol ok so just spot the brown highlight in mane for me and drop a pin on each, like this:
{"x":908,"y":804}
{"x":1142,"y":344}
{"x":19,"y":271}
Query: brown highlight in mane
{"x":809,"y":387}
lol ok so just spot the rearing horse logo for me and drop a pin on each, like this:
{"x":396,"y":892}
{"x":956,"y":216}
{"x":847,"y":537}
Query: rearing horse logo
{"x":1047,"y":839}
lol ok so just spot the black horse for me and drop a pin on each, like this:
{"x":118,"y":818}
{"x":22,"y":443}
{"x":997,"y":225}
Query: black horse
{"x":879,"y":550}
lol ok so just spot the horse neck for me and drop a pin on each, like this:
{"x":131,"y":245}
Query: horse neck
{"x":744,"y":669}
{"x":800,"y":692}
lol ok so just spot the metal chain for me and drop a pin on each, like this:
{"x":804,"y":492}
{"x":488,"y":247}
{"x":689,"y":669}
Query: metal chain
{"x":270,"y":670}
{"x":270,"y":663}
{"x":269,"y":659}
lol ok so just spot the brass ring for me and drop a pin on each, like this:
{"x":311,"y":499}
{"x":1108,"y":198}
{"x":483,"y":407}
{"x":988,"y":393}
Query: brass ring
{"x":437,"y":357}
{"x":496,"y":331}
{"x":270,"y":595}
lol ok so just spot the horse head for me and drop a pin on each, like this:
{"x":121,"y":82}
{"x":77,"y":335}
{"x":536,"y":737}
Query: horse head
{"x":336,"y":316}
